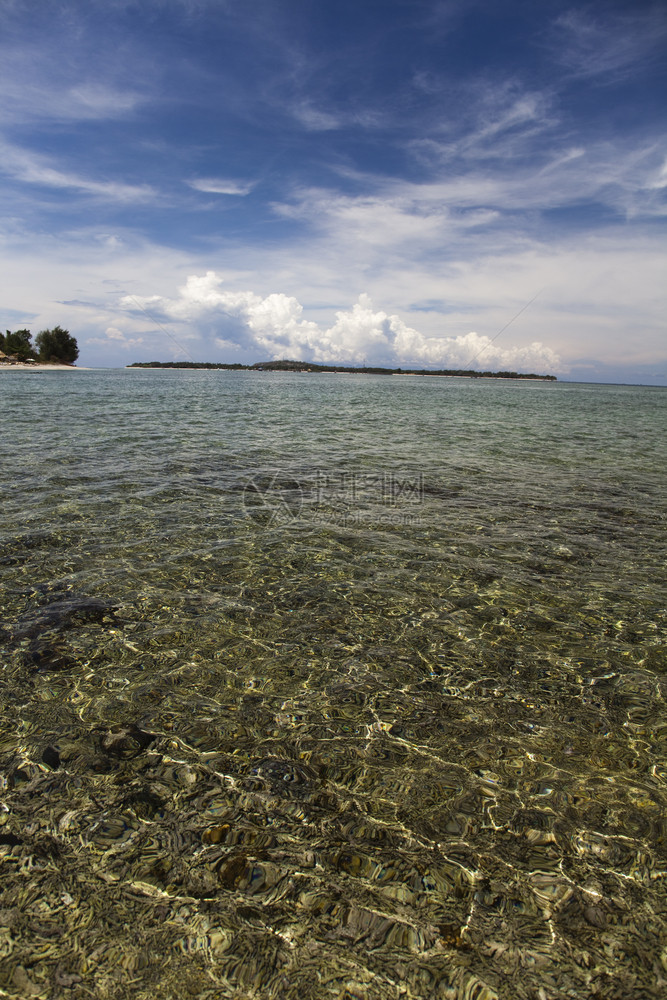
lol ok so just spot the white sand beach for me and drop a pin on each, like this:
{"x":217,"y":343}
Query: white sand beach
{"x":20,"y":366}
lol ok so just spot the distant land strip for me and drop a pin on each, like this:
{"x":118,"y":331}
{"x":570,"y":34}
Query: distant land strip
{"x":309,"y":366}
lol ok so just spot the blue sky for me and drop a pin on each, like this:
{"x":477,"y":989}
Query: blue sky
{"x":387,"y":182}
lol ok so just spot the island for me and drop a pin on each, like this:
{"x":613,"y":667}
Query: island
{"x":310,"y":366}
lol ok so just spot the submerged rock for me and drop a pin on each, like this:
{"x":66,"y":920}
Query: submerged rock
{"x":286,"y":777}
{"x":45,"y":628}
{"x":51,"y":757}
{"x":126,"y":741}
{"x":60,"y":615}
{"x":42,"y":655}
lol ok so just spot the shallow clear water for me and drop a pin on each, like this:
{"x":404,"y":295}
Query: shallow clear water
{"x":331,"y":686}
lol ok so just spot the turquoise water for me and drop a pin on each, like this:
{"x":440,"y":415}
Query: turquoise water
{"x":331,"y":686}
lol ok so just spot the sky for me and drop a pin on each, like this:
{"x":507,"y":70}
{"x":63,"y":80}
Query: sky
{"x":414,"y":183}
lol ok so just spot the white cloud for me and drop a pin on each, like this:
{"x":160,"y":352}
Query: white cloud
{"x":31,"y":168}
{"x":524,"y":189}
{"x":439,"y":215}
{"x":56,"y":91}
{"x":115,"y":337}
{"x":220,"y":185}
{"x":611,"y":44}
{"x":603,"y":299}
{"x":273,"y":325}
{"x":383,"y":220}
{"x":504,"y":123}
{"x":315,"y":119}
{"x":603,"y":296}
{"x":97,"y":101}
{"x":507,"y":120}
{"x":35,"y":102}
{"x":110,"y":240}
{"x":659,"y":180}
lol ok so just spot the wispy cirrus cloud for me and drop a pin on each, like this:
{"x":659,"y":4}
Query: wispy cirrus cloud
{"x":504,"y":122}
{"x":626,"y":181}
{"x":592,"y":41}
{"x":32,"y":168}
{"x":31,"y":102}
{"x":221,"y":185}
{"x":313,"y":118}
{"x":59,"y":74}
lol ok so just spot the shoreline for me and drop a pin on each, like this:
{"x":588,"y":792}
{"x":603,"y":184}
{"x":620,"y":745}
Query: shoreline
{"x":312,"y":368}
{"x":277,"y":371}
{"x":22,"y":367}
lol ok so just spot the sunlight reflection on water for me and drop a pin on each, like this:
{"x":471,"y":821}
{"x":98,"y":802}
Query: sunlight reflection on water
{"x":332,"y":687}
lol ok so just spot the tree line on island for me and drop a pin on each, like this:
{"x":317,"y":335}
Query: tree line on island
{"x":309,"y":366}
{"x":56,"y":346}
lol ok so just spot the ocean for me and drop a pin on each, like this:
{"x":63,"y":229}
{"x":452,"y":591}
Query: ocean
{"x":334,"y":686}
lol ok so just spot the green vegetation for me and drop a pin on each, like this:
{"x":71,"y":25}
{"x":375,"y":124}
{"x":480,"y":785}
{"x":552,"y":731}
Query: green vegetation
{"x":57,"y":345}
{"x":54,"y":346}
{"x":18,"y":344}
{"x":309,"y":366}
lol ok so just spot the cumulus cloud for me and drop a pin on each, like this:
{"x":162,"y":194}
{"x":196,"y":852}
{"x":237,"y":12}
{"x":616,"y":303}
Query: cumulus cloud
{"x":274,"y":325}
{"x":116,"y":337}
